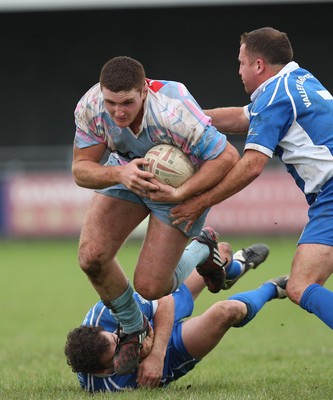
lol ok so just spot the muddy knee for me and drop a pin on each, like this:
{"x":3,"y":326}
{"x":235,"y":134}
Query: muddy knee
{"x":91,"y":262}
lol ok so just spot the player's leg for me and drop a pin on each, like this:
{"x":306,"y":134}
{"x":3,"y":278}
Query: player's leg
{"x":223,"y":271}
{"x":161,"y":251}
{"x":163,"y":265}
{"x":201,"y":334}
{"x":312,"y":266}
{"x":236,"y":265}
{"x":107,"y":224}
{"x":243,"y":260}
{"x":195,"y":282}
{"x":313,"y":260}
{"x":153,"y":278}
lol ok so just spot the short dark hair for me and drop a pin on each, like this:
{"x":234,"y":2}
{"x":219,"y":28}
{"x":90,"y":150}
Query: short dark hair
{"x":85,"y":347}
{"x":122,"y":74}
{"x":268,"y":43}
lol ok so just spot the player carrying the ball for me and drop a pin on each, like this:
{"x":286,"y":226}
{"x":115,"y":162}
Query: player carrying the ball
{"x":126,"y":114}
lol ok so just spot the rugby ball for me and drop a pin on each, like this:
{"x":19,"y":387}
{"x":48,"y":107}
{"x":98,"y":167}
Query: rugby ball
{"x":169,"y":164}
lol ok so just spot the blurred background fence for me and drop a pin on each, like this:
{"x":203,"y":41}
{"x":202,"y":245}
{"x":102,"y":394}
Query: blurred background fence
{"x":52,"y":52}
{"x":45,"y":202}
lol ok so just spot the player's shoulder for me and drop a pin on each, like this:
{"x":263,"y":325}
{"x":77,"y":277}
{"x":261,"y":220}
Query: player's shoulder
{"x":300,"y":72}
{"x":91,"y":100}
{"x":93,"y":93}
{"x":99,"y":315}
{"x":168,"y":88}
{"x":295,"y":77}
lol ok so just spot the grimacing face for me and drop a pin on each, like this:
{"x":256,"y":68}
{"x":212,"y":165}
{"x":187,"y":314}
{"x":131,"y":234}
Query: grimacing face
{"x":125,"y":107}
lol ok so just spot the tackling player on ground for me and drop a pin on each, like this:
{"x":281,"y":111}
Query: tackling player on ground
{"x":174,"y":345}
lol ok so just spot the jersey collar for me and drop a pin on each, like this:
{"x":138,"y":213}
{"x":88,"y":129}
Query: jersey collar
{"x":285,"y":70}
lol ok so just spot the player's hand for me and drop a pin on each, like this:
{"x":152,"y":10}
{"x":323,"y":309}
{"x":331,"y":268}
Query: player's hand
{"x":150,"y":371}
{"x":188,"y":211}
{"x":166,"y":193}
{"x":136,"y":179}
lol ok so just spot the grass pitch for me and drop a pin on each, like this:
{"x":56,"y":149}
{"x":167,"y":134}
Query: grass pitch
{"x":283,"y":353}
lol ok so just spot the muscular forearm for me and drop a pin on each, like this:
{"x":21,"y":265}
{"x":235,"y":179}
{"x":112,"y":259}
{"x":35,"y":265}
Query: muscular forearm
{"x":88,"y":171}
{"x":229,"y":119}
{"x":240,"y":176}
{"x":91,"y":175}
{"x":163,"y":324}
{"x":150,"y":370}
{"x":210,"y":173}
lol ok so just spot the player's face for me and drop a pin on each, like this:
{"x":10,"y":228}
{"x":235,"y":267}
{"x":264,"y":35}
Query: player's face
{"x":107,"y":359}
{"x":248,"y":70}
{"x":108,"y":356}
{"x":125,"y":108}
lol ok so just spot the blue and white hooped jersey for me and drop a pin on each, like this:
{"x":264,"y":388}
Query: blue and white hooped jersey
{"x":171,"y":115}
{"x":291,"y":116}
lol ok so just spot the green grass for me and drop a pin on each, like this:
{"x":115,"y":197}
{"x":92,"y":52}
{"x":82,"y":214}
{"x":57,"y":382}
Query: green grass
{"x":284,"y":353}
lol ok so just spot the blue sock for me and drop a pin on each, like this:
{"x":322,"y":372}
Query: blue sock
{"x":194,"y":254}
{"x":255,"y":300}
{"x":318,"y":300}
{"x":126,"y":311}
{"x":234,"y":269}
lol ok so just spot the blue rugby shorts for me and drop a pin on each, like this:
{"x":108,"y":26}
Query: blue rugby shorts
{"x":319,"y":228}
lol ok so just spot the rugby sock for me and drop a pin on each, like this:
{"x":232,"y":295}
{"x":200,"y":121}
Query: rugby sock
{"x":318,"y":300}
{"x":194,"y":254}
{"x":126,"y":311}
{"x":234,"y":269}
{"x":255,"y":300}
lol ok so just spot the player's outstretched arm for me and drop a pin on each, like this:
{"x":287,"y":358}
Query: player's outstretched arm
{"x":150,"y":370}
{"x":229,"y":119}
{"x":246,"y":170}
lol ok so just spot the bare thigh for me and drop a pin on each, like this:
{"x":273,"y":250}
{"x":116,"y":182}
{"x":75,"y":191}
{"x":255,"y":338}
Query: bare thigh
{"x":159,"y":256}
{"x":312,"y":263}
{"x":108,"y":223}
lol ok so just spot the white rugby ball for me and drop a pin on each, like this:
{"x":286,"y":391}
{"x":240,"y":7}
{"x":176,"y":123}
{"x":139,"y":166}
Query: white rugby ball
{"x":169,"y":164}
